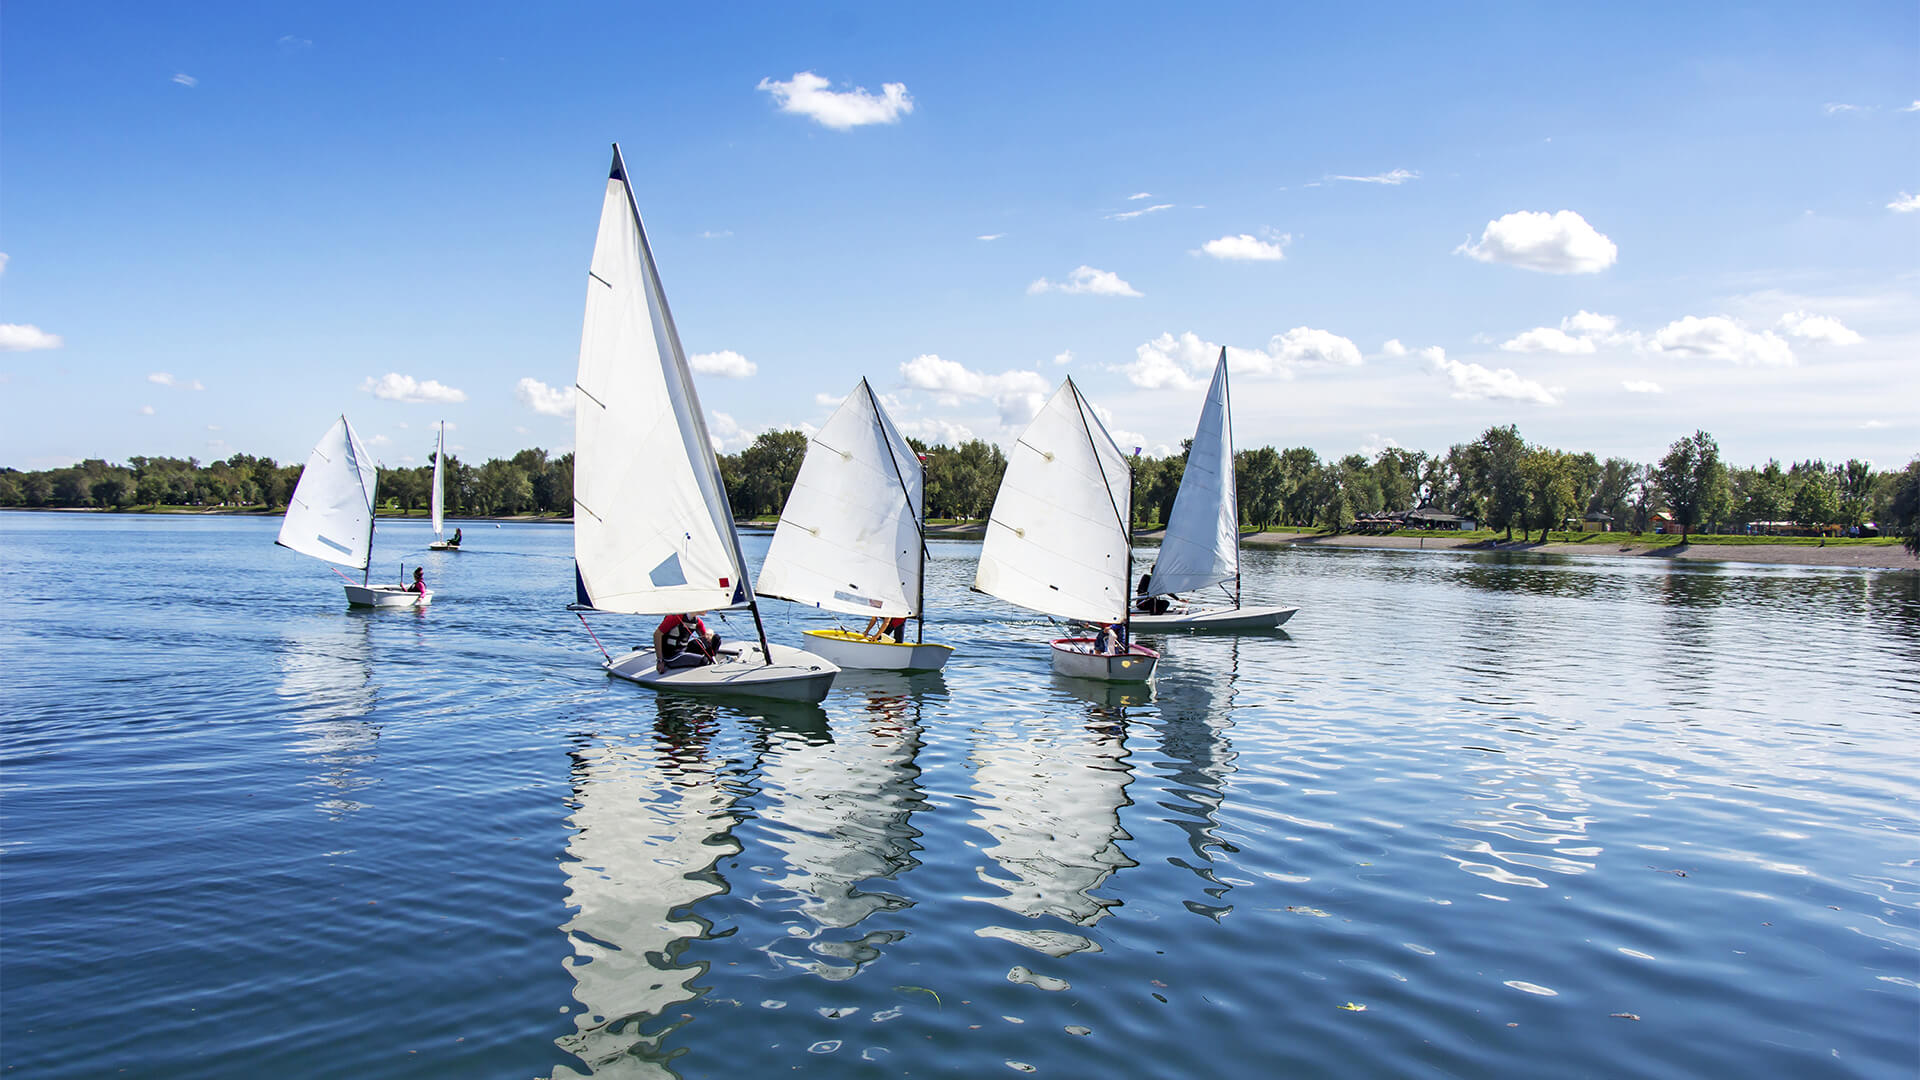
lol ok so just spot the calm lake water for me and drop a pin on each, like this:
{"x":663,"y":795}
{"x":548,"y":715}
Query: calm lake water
{"x":1470,"y":815}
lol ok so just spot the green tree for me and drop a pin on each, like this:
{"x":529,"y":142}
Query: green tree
{"x":1499,"y":478}
{"x":1688,"y":476}
{"x":1551,"y":496}
{"x":1817,"y":503}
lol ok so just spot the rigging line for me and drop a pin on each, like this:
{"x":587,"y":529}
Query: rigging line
{"x":1101,"y":465}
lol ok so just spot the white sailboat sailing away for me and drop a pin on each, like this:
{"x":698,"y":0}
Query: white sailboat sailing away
{"x":438,"y":501}
{"x":330,"y":516}
{"x":1201,"y":547}
{"x":1059,"y":539}
{"x":852,"y":538}
{"x":652,"y":531}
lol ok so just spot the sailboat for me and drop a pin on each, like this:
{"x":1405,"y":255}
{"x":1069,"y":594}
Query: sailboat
{"x":1201,"y":547}
{"x":438,"y":501}
{"x":1060,"y":538}
{"x":652,"y":531}
{"x":330,"y":516}
{"x":852,"y":538}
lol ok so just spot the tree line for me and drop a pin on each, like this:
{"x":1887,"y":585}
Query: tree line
{"x":1499,"y":480}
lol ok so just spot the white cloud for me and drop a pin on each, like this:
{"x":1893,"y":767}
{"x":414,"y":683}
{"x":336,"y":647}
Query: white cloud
{"x":721,"y":428}
{"x":1833,"y":107}
{"x":1586,"y":323}
{"x":991,"y":236}
{"x":1717,"y":337}
{"x":1548,"y":339}
{"x":1186,"y":362}
{"x":1472,"y":382}
{"x":186,"y":80}
{"x":1904,"y":203}
{"x":23,"y":337}
{"x":710,"y":234}
{"x":1396,"y":177}
{"x":164,"y":379}
{"x":543,"y":399}
{"x":1086,"y":280}
{"x":1064,"y":357}
{"x":1129,"y":215}
{"x":378,"y":440}
{"x":936,"y":431}
{"x":146,"y":410}
{"x":726,"y":363}
{"x":1821,"y":328}
{"x":1245,"y":247}
{"x":807,"y":95}
{"x":3,"y":261}
{"x":1392,"y":347}
{"x":394,"y":386}
{"x":1875,"y":425}
{"x":291,"y":42}
{"x":1915,"y":107}
{"x":1130,"y":442}
{"x":1373,"y":444}
{"x":1149,"y":194}
{"x":1557,"y":243}
{"x":824,"y":399}
{"x":1641,"y":386}
{"x":1017,"y":394}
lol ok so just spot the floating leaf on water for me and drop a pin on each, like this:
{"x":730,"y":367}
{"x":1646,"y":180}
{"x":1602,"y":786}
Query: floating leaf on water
{"x":1351,"y":1007}
{"x":923,"y":990}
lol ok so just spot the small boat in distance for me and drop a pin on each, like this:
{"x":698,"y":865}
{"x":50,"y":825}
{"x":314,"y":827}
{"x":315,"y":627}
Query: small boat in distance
{"x":1060,"y":538}
{"x":1201,"y":547}
{"x":852,"y":539}
{"x":438,"y":500}
{"x":652,"y":531}
{"x":330,"y":516}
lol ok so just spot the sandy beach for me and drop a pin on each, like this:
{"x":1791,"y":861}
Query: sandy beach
{"x":1874,"y":556}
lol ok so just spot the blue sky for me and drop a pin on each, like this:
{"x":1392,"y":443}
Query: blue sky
{"x":224,"y":224}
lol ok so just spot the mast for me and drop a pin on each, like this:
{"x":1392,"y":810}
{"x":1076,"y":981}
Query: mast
{"x":920,"y":522}
{"x":1227,"y":410}
{"x":1125,"y":520}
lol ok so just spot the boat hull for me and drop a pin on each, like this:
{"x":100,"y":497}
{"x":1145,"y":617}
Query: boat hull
{"x":442,"y":545}
{"x":387,"y":596}
{"x":1075,"y":658}
{"x":1242,"y":618}
{"x":794,"y":674}
{"x":850,"y":650}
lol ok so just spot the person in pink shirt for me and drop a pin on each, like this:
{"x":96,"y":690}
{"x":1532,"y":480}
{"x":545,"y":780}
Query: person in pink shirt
{"x":419,"y":581}
{"x":682,"y":641}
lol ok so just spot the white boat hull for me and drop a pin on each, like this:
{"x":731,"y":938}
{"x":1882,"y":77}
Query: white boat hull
{"x":1075,"y":658}
{"x":850,"y":650}
{"x":1242,"y":618}
{"x":442,"y":545}
{"x":794,"y":674}
{"x":387,"y":596}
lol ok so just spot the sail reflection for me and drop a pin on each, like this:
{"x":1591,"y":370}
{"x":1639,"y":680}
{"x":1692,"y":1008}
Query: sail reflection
{"x":1051,"y":790}
{"x":1196,"y":705}
{"x":652,"y":816}
{"x":838,"y":808}
{"x":326,"y":680}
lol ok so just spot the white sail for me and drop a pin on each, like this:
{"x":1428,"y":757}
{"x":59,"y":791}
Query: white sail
{"x":1202,"y":542}
{"x":439,"y":502}
{"x":1057,"y":539}
{"x":330,"y":514}
{"x":849,"y":537}
{"x":652,"y":532}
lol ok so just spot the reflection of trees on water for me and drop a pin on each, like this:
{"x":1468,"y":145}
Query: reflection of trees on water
{"x":1051,"y":789}
{"x":326,"y":679}
{"x":1196,"y":713}
{"x":652,"y":815}
{"x":838,"y":809}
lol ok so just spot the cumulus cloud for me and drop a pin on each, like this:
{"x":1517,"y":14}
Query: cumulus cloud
{"x":936,"y":431}
{"x":1396,"y":177}
{"x":543,"y":399}
{"x":1376,"y":443}
{"x":186,"y":80}
{"x":1129,"y":215}
{"x":1824,"y":329}
{"x":722,"y":428}
{"x":394,"y":386}
{"x":1087,"y":281}
{"x":1717,"y":337}
{"x":1557,"y":243}
{"x":1186,"y":362}
{"x":824,"y":399}
{"x":1641,"y":386}
{"x":1247,"y":248}
{"x":24,"y":337}
{"x":1064,"y":357}
{"x":1904,"y":203}
{"x":726,"y":363}
{"x":1586,"y":322}
{"x":1548,"y":339}
{"x":1392,"y":347}
{"x":807,"y":95}
{"x":1472,"y":382}
{"x":1017,"y":394}
{"x":165,"y":379}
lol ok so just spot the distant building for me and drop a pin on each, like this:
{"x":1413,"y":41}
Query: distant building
{"x":1597,"y":522}
{"x":1428,"y":518}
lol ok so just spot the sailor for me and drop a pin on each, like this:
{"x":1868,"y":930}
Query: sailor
{"x":1147,"y":604}
{"x":881,"y":628}
{"x":1111,"y":641}
{"x":682,"y":641}
{"x":419,"y":585}
{"x":455,"y":542}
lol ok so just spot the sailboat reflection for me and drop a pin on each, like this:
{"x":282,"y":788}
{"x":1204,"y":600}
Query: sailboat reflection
{"x":1196,"y":706}
{"x":652,"y":815}
{"x":838,"y":808}
{"x":1051,"y":790}
{"x":326,"y":682}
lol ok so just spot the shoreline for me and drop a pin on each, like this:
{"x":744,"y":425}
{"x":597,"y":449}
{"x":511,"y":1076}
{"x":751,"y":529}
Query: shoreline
{"x":1859,"y":556}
